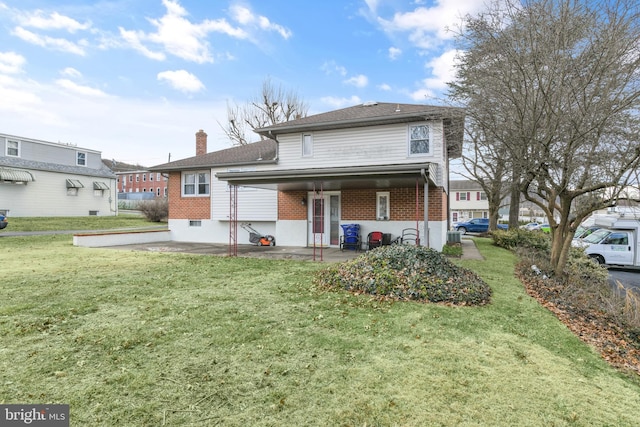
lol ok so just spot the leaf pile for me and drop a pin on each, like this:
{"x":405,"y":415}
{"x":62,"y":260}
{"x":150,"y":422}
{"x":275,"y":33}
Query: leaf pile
{"x":407,"y":272}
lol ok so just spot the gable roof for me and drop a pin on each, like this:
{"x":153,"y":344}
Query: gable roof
{"x":250,"y":154}
{"x":378,"y":113}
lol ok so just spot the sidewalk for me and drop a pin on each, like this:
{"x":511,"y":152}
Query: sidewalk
{"x":469,"y":249}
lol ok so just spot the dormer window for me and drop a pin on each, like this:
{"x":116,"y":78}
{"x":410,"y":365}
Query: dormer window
{"x":81,"y":158}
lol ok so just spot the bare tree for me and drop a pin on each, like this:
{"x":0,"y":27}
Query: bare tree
{"x":557,"y":82}
{"x":272,"y":106}
{"x":484,"y":162}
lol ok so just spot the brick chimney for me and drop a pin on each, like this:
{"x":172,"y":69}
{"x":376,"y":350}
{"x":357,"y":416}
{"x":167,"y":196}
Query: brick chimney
{"x":201,"y":143}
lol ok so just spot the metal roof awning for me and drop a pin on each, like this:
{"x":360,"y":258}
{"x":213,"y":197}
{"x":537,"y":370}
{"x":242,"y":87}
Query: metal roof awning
{"x":74,"y":183}
{"x":379,"y":176}
{"x":15,"y":175}
{"x":98,"y":185}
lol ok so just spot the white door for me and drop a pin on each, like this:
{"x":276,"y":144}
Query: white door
{"x":324,"y":219}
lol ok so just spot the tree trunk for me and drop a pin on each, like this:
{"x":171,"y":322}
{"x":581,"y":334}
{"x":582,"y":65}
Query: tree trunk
{"x":514,"y":205}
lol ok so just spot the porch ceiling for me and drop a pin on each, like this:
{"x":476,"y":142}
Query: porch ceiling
{"x":386,"y":176}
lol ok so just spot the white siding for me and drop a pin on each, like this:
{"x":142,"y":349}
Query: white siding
{"x":216,"y":232}
{"x":361,"y":146}
{"x":47,"y":196}
{"x":253,"y":204}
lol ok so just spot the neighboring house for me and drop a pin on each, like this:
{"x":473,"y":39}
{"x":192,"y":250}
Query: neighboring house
{"x":40,"y":178}
{"x":135,"y":182}
{"x":380,"y":165}
{"x":468,"y":201}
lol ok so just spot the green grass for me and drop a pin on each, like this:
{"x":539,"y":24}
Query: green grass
{"x":148,"y":339}
{"x":78,"y":223}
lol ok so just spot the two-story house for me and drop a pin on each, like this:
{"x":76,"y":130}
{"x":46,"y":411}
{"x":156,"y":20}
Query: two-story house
{"x":382,"y":166}
{"x":468,"y":201}
{"x":40,"y":178}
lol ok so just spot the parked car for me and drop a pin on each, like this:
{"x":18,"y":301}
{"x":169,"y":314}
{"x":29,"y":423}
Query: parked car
{"x":583,"y":232}
{"x":3,"y":221}
{"x":530,"y":226}
{"x":545,"y":228}
{"x":476,"y":225}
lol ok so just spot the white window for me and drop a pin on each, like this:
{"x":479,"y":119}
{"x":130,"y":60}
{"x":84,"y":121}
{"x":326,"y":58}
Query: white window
{"x":137,"y":177}
{"x":482,"y":195}
{"x":13,"y":148}
{"x":144,"y":177}
{"x":307,"y":145}
{"x":158,"y":191}
{"x":195,"y":184}
{"x":462,"y":196}
{"x":158,"y":176}
{"x":382,"y":206}
{"x":81,"y":158}
{"x":418,"y":140}
{"x":150,"y":177}
{"x":195,"y":223}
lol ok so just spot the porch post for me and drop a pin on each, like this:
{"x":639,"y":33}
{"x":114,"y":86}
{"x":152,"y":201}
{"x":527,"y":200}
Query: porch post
{"x":425,"y":175}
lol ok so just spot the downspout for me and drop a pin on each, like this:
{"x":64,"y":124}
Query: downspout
{"x":425,"y":175}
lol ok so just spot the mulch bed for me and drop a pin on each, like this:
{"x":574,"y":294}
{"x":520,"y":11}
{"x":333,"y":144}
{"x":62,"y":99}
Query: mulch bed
{"x":595,"y":327}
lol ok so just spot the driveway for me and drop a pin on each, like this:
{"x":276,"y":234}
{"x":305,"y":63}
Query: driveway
{"x":628,"y":278}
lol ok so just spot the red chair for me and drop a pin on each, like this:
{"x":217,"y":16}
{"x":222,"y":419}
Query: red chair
{"x":374,"y":239}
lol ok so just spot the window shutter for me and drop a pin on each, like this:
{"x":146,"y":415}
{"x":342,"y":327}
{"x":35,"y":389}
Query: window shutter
{"x":469,"y":196}
{"x":457,"y":196}
{"x":478,"y":195}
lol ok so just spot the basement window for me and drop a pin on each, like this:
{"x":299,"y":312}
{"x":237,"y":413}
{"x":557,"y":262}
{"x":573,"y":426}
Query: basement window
{"x":195,"y":223}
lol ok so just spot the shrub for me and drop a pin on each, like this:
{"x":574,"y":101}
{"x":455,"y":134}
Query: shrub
{"x":407,"y":272}
{"x":155,"y":210}
{"x":518,"y":238}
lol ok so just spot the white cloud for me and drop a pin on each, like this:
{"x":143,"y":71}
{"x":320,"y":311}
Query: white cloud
{"x":244,"y":16}
{"x":442,"y":70}
{"x":134,"y":40}
{"x":335,"y":102}
{"x":79,"y":89}
{"x":60,"y":44}
{"x":385,"y":87}
{"x":120,"y":128}
{"x":358,"y":81}
{"x":55,"y":21}
{"x":394,"y":53}
{"x":11,"y":62}
{"x":182,"y":80}
{"x":179,"y":36}
{"x":429,"y":26}
{"x":330,"y":67}
{"x":71,"y":72}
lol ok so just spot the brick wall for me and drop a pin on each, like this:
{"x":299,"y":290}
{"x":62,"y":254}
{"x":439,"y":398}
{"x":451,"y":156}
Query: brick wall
{"x":360,"y":204}
{"x":186,"y":207}
{"x":290,"y":205}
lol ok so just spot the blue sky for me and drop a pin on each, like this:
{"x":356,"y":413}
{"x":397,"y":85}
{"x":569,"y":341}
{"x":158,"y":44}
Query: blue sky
{"x":136,"y":79}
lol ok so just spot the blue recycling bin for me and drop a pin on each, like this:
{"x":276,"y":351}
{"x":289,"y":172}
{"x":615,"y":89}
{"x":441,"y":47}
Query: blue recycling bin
{"x":351,"y":237}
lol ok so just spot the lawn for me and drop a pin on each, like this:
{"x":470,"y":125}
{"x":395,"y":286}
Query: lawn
{"x":79,"y":223}
{"x":149,"y":339}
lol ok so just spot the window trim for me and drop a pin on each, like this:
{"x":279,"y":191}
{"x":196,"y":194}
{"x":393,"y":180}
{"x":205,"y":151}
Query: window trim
{"x":409,"y":140}
{"x":383,"y":216}
{"x":304,"y":145}
{"x":196,"y":184}
{"x":18,"y":148}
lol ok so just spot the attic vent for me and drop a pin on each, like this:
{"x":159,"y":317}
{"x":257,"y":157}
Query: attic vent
{"x":369,"y":104}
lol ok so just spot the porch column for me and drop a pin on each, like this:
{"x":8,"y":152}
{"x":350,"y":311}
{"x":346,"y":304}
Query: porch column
{"x":425,"y":175}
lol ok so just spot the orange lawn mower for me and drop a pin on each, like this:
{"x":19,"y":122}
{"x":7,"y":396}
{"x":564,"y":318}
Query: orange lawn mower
{"x":257,"y":238}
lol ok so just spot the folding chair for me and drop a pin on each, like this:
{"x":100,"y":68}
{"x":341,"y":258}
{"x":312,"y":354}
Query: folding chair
{"x":374,"y":239}
{"x":410,"y":237}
